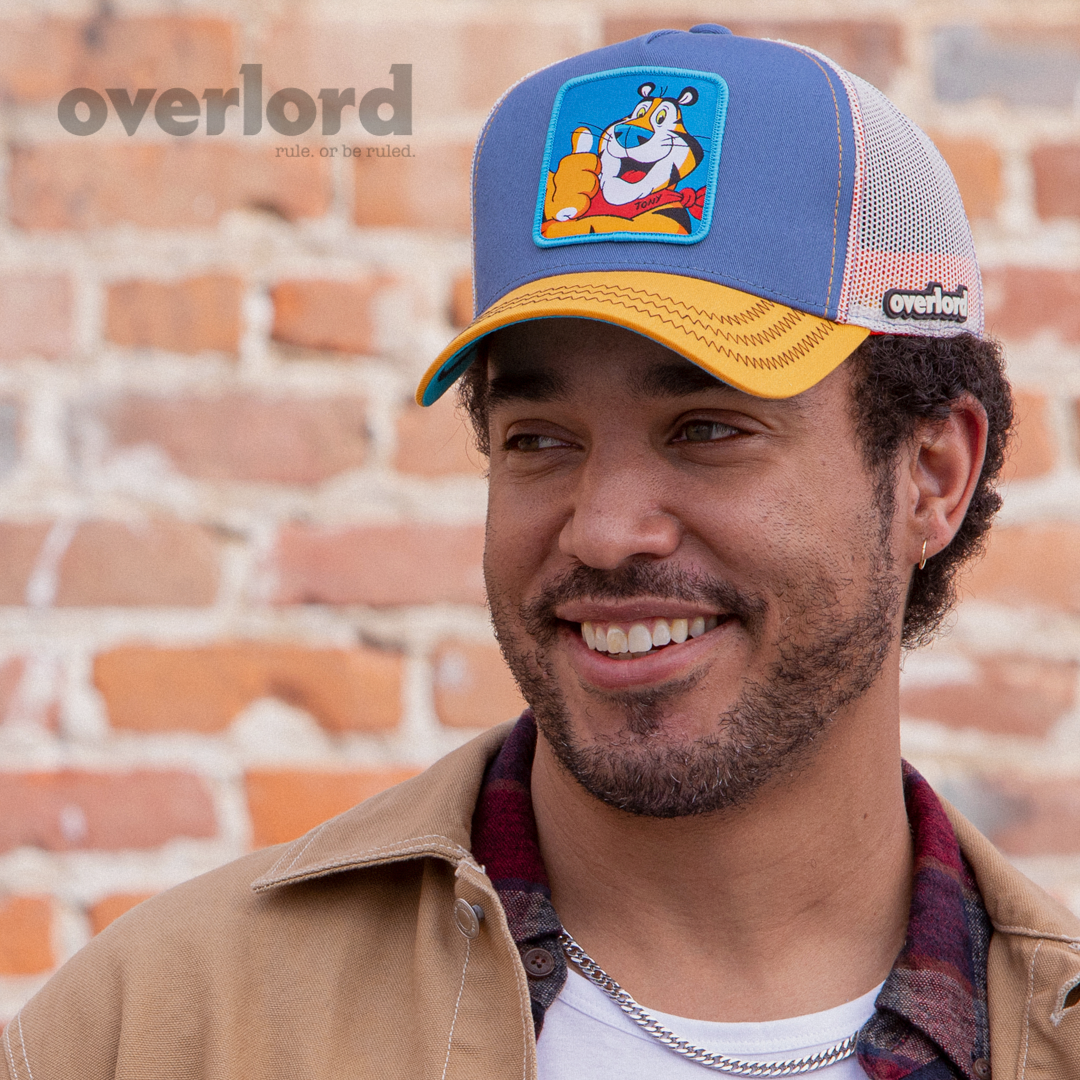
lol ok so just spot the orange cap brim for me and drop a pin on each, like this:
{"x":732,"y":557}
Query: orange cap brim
{"x":765,"y":348}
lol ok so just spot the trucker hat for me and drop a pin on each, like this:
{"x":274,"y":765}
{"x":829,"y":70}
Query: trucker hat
{"x":747,"y":203}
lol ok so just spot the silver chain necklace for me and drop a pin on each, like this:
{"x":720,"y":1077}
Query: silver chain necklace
{"x":719,"y":1062}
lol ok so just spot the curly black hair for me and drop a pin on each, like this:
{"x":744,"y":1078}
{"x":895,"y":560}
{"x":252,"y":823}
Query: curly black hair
{"x":899,"y":382}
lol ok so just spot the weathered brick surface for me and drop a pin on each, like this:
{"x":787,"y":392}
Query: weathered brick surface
{"x":1028,"y":565}
{"x":35,"y":315}
{"x":1024,"y":301}
{"x":976,"y":165}
{"x":240,"y":584}
{"x":1017,"y":64}
{"x":1010,"y":695}
{"x":1057,"y":180}
{"x":25,"y":935}
{"x":21,"y":545}
{"x":233,"y":436}
{"x":333,"y":315}
{"x":380,"y":565}
{"x":152,"y":689}
{"x":473,"y":686}
{"x":285,"y":804}
{"x":111,"y":908}
{"x":188,"y":316}
{"x":98,"y":183}
{"x":42,"y":58}
{"x":871,"y":48}
{"x":430,"y":191}
{"x":158,"y":563}
{"x":436,"y":442}
{"x":73,"y":809}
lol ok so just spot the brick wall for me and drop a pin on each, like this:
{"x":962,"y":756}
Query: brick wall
{"x":240,"y":582}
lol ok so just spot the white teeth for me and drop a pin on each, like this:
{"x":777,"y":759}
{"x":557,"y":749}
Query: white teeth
{"x":616,"y":640}
{"x":661,"y":633}
{"x":639,"y":640}
{"x":679,"y":630}
{"x":697,"y":626}
{"x":588,"y":634}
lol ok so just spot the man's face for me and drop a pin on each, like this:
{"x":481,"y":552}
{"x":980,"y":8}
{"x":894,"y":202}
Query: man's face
{"x":635,"y":500}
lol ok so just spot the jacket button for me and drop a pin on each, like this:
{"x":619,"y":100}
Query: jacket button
{"x":467,"y":917}
{"x":981,"y":1068}
{"x":539,"y":963}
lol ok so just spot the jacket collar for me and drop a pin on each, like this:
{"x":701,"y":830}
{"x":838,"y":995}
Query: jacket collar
{"x":427,"y":816}
{"x":431,"y":816}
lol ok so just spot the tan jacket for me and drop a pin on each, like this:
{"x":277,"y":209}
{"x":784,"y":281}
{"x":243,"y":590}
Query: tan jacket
{"x":338,"y":956}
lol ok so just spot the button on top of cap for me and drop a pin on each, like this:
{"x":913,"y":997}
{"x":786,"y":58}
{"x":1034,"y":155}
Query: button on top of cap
{"x":709,"y":28}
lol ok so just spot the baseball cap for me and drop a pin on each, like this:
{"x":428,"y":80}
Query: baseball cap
{"x":747,"y":203}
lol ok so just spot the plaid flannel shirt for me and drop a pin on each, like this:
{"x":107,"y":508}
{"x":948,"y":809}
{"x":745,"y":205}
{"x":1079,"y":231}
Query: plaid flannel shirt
{"x":930,"y":1020}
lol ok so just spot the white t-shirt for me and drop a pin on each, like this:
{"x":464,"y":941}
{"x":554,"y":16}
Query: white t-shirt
{"x":586,"y":1036}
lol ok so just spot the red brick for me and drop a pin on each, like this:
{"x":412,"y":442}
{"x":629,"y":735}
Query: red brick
{"x":1034,"y":449}
{"x":1057,"y":180}
{"x":326,"y":314}
{"x":41,"y":59}
{"x":71,"y":810}
{"x":112,"y":907}
{"x":164,"y":563}
{"x":1011,"y":695}
{"x":93,"y":183}
{"x":461,"y":301}
{"x":285,"y":804}
{"x":35,"y":315}
{"x":1031,"y":565}
{"x":976,"y":165}
{"x":1022,"y":302}
{"x":202,"y":689}
{"x":436,"y":441}
{"x":429,"y":191}
{"x":473,"y":686}
{"x":11,"y":673}
{"x":190,"y":316}
{"x":380,"y":565}
{"x":243,"y":436}
{"x":1041,"y":817}
{"x":26,"y":935}
{"x":21,"y":545}
{"x":870,"y":48}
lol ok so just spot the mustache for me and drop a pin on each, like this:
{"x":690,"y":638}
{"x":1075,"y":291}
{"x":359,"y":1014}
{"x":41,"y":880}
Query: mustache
{"x":637,"y":581}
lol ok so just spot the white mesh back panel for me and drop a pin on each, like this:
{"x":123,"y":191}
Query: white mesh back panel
{"x":908,"y":226}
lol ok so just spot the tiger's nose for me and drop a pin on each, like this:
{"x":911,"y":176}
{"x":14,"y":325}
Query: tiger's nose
{"x":630,"y":135}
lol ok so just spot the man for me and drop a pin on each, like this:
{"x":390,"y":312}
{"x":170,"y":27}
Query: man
{"x":741,"y":440}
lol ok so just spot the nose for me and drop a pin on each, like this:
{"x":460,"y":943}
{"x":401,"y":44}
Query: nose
{"x":631,"y":136}
{"x":618,"y":515}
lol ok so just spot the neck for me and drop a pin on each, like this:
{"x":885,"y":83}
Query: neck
{"x":794,"y":903}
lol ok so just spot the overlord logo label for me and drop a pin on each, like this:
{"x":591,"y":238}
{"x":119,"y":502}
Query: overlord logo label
{"x":177,"y":111}
{"x":929,"y":303}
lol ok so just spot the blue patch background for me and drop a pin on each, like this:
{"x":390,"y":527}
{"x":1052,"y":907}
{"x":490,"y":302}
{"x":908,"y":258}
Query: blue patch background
{"x":599,"y":100}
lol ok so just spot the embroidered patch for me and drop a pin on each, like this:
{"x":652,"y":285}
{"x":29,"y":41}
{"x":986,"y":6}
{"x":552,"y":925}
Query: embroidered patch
{"x":632,"y":154}
{"x":929,"y":303}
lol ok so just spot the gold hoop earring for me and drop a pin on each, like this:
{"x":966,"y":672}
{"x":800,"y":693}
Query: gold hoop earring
{"x":922,"y":561}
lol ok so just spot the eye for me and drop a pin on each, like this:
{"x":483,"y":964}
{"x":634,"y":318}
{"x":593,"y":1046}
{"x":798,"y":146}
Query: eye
{"x":530,"y":444}
{"x":661,"y":116}
{"x":703,"y":431}
{"x":641,"y":110}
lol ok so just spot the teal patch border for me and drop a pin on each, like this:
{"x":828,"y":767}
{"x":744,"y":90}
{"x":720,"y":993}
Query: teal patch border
{"x":714,"y":164}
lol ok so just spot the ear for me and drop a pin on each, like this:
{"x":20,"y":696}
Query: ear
{"x":646,"y":89}
{"x":688,"y":96}
{"x":939,"y":477}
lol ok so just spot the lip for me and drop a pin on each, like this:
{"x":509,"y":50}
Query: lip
{"x":579,"y":611}
{"x":600,"y":670}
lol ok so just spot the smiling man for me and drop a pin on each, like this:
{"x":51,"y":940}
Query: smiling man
{"x":743,"y":429}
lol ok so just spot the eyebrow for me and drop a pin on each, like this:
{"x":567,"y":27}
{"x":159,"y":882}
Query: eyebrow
{"x":677,"y":378}
{"x":525,"y":384}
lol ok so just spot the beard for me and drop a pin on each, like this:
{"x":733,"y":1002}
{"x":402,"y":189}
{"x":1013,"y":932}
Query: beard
{"x":771,"y":730}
